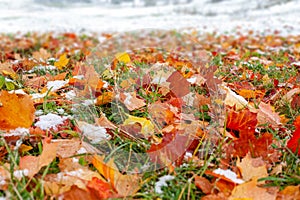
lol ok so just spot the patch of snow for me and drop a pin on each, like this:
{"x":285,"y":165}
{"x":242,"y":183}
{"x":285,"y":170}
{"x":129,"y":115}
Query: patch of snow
{"x":38,"y":112}
{"x":105,"y":84}
{"x":162,"y":181}
{"x":70,"y":94}
{"x":19,"y":91}
{"x":192,"y":80}
{"x":89,"y":102}
{"x":50,"y":121}
{"x":38,"y":95}
{"x":128,"y":98}
{"x":17,"y":132}
{"x":60,"y":111}
{"x":82,"y":150}
{"x":21,"y":173}
{"x":94,"y":133}
{"x":229,"y":174}
{"x":80,"y":77}
{"x":75,"y":160}
{"x":56,"y":85}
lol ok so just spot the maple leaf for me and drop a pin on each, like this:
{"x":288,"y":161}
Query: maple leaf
{"x":171,"y":149}
{"x":34,"y":163}
{"x":41,"y":55}
{"x":291,"y":192}
{"x":250,"y":190}
{"x":131,"y":101}
{"x":178,"y":84}
{"x":123,"y":57}
{"x":244,"y":120}
{"x":62,"y":61}
{"x":252,"y":168}
{"x":16,"y":111}
{"x":267,"y":115}
{"x":234,"y":100}
{"x":203,"y":184}
{"x":294,"y":142}
{"x":161,"y":114}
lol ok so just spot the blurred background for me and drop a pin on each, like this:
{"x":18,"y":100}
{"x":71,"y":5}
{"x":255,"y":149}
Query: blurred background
{"x":126,"y":15}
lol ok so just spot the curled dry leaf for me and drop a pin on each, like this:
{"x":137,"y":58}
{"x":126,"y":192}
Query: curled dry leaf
{"x":203,"y":184}
{"x":16,"y":111}
{"x":131,"y":101}
{"x":232,"y":99}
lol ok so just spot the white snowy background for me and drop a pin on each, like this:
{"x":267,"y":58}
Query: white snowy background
{"x":109,"y":15}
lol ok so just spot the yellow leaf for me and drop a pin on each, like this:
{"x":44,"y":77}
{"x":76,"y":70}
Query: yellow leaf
{"x":24,"y":148}
{"x":123,"y":57}
{"x":62,"y":61}
{"x":147,"y":126}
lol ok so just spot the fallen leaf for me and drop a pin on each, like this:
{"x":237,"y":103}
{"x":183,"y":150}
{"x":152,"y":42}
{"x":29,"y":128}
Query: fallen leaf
{"x":234,"y":100}
{"x":104,"y":98}
{"x":123,"y":57}
{"x":291,"y":192}
{"x":34,"y":163}
{"x":266,"y":115}
{"x":252,"y":168}
{"x":179,"y":86}
{"x":294,"y":142}
{"x":16,"y":111}
{"x":131,"y":101}
{"x":203,"y":184}
{"x":147,"y":126}
{"x":66,"y":147}
{"x":62,"y":61}
{"x":125,"y":185}
{"x":76,"y":193}
{"x":41,"y":55}
{"x":101,"y":189}
{"x":250,"y":190}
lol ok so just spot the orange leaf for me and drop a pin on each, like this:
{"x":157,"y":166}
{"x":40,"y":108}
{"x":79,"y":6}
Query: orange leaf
{"x":34,"y":163}
{"x":244,"y":120}
{"x":104,"y":98}
{"x":102,"y":189}
{"x":125,"y":185}
{"x":249,"y":190}
{"x":16,"y":111}
{"x":203,"y":184}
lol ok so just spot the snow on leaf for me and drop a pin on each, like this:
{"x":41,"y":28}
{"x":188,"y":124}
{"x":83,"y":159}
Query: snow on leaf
{"x":250,"y":190}
{"x":147,"y":126}
{"x":131,"y":101}
{"x":16,"y":111}
{"x":50,"y":121}
{"x":266,"y":114}
{"x":228,"y":174}
{"x":62,"y":61}
{"x":94,"y":133}
{"x":162,"y":181}
{"x":34,"y":163}
{"x":252,"y":168}
{"x":234,"y":100}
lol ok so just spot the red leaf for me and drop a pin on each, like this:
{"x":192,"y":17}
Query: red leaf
{"x":244,"y":120}
{"x":293,"y":143}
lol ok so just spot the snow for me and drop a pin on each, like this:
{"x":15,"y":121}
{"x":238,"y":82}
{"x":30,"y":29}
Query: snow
{"x":19,"y":91}
{"x":82,"y":150}
{"x":17,"y":132}
{"x":204,"y":15}
{"x":21,"y":173}
{"x":229,"y":174}
{"x":38,"y":95}
{"x":50,"y":121}
{"x":94,"y":133}
{"x":162,"y":181}
{"x":56,"y":85}
{"x":70,"y":94}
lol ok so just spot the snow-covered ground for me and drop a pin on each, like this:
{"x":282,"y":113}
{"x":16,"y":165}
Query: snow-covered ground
{"x":96,"y":15}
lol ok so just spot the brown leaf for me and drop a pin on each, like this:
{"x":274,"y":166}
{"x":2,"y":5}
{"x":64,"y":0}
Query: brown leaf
{"x":76,"y":193}
{"x":203,"y":184}
{"x":66,"y":148}
{"x":16,"y":111}
{"x":291,"y":192}
{"x":178,"y":84}
{"x":131,"y":101}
